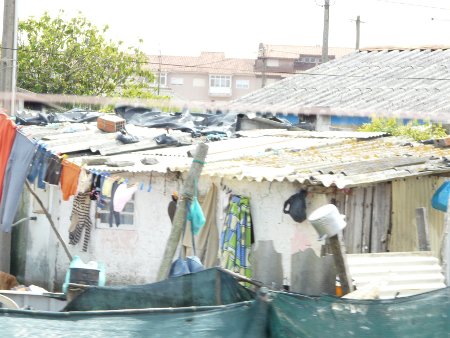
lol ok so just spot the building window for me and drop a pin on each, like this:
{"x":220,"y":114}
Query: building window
{"x":162,"y":80}
{"x":220,"y":85}
{"x":242,"y":84}
{"x":177,"y":81}
{"x":126,"y":216}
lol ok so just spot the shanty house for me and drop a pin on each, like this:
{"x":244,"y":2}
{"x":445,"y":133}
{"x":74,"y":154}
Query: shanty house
{"x":376,"y":181}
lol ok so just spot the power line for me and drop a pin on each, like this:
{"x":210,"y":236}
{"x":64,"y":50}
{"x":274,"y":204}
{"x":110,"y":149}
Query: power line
{"x":414,"y":5}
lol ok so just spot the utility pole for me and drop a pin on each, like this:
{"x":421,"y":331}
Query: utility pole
{"x":264,"y":68}
{"x":326,"y":24}
{"x":159,"y":71}
{"x":9,"y":56}
{"x":358,"y":23}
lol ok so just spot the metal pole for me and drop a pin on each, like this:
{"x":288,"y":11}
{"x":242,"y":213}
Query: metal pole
{"x":9,"y":55}
{"x":326,"y":23}
{"x":358,"y":24}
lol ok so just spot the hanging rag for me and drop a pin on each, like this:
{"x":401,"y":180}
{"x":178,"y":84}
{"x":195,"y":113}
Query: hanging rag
{"x":112,"y":213}
{"x":107,"y":186}
{"x":122,"y":196}
{"x":207,"y":241}
{"x":80,"y":219}
{"x":189,"y":264}
{"x":7,"y":136}
{"x":84,"y":181}
{"x":237,"y":237}
{"x":69,"y":179}
{"x":36,"y":164}
{"x":53,"y":173}
{"x":20,"y":158}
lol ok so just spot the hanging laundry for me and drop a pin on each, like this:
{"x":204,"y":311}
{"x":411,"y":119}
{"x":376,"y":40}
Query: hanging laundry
{"x":122,"y":196}
{"x":80,"y":219}
{"x":53,"y":173}
{"x":112,"y":213}
{"x":37,"y":165}
{"x":84,"y":181}
{"x":207,"y":241}
{"x":7,"y":135}
{"x":237,"y":237}
{"x":69,"y":179}
{"x":107,"y":186}
{"x":20,"y":158}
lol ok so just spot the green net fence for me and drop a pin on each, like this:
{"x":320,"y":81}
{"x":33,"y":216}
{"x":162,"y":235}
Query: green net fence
{"x":186,"y":307}
{"x":205,"y":288}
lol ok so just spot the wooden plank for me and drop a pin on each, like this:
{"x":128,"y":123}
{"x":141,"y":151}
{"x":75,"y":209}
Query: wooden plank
{"x":381,"y":217}
{"x":367,"y":219}
{"x":358,"y":204}
{"x":341,"y":265}
{"x":422,"y":229}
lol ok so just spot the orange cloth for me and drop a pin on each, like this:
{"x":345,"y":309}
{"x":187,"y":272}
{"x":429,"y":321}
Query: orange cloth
{"x":7,"y":135}
{"x":69,"y":179}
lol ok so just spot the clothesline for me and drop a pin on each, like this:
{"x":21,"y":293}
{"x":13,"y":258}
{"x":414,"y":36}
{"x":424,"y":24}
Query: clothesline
{"x":23,"y":158}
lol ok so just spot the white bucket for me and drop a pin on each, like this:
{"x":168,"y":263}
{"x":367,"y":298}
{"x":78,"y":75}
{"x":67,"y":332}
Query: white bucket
{"x":327,"y":221}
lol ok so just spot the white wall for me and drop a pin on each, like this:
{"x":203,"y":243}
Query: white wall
{"x":134,"y":256}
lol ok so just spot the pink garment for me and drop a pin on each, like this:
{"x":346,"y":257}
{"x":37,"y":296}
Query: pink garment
{"x":122,"y":196}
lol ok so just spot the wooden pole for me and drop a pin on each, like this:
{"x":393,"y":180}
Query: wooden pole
{"x":180,"y":214}
{"x":422,"y":229}
{"x":49,"y":217}
{"x":341,"y":265}
{"x":445,"y":247}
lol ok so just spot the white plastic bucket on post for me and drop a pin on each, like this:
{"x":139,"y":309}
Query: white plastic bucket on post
{"x":327,"y":221}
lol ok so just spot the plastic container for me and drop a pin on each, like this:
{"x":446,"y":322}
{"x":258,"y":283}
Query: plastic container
{"x":92,"y":273}
{"x":439,"y":200}
{"x":327,"y":221}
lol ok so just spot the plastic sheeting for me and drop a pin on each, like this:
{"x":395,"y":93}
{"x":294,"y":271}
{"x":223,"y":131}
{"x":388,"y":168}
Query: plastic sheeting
{"x":285,"y":315}
{"x":196,"y":123}
{"x":424,"y":315}
{"x":197,"y":289}
{"x":235,"y":321}
{"x":73,"y":115}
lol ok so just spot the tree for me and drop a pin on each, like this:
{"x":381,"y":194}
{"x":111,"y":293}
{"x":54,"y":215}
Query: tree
{"x":73,"y":57}
{"x":413,"y":129}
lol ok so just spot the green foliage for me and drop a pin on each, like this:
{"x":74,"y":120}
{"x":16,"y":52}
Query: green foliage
{"x":413,"y":129}
{"x":56,"y":56}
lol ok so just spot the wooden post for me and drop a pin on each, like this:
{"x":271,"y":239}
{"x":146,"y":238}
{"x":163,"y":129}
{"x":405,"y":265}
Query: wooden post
{"x":218,"y":288}
{"x":49,"y":217}
{"x":422,"y":229}
{"x":445,"y":247}
{"x":180,"y":214}
{"x":341,"y":265}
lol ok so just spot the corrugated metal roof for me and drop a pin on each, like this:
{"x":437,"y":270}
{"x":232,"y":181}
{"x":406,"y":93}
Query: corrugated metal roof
{"x":342,"y":159}
{"x":407,"y":83}
{"x":346,"y":163}
{"x":396,"y":274}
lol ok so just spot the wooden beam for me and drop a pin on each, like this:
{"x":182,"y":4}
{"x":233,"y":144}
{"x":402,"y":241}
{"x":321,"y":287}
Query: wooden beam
{"x":341,"y":265}
{"x":49,"y":217}
{"x":422,"y":229}
{"x":180,"y":213}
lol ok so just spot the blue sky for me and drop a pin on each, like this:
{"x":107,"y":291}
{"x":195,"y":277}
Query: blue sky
{"x":181,"y":27}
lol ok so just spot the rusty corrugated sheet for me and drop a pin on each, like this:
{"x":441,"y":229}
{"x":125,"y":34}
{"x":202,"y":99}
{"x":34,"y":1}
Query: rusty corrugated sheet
{"x":407,"y":195}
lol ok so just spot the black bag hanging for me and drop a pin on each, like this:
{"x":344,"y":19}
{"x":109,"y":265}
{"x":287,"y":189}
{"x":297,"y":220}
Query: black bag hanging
{"x":296,"y":206}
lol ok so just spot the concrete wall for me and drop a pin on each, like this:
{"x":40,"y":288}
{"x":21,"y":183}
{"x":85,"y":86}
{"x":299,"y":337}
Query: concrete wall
{"x":133,"y":256}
